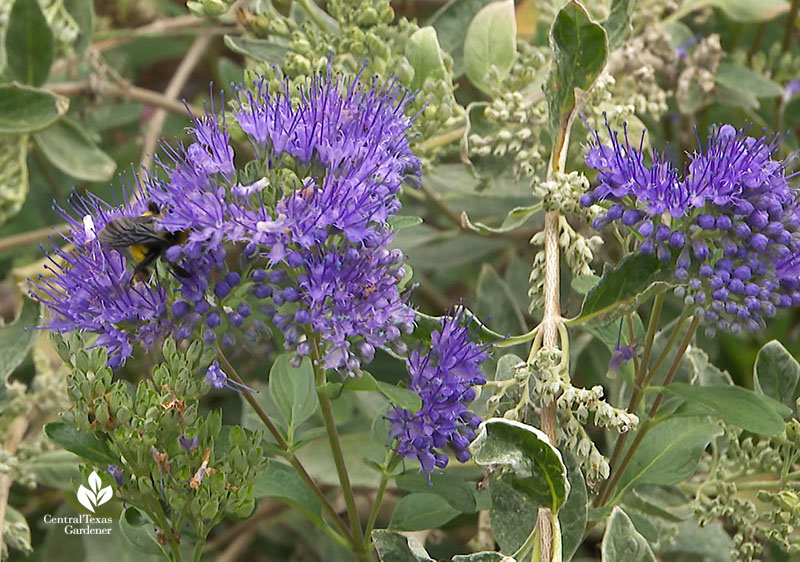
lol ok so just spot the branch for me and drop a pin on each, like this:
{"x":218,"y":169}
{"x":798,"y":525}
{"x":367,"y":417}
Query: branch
{"x":120,"y":91}
{"x":182,"y":74}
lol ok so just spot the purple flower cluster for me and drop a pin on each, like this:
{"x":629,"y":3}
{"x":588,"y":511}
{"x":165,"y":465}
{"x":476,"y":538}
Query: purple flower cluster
{"x":730,"y":222}
{"x":307,"y":219}
{"x":443,"y":378}
{"x":92,"y":288}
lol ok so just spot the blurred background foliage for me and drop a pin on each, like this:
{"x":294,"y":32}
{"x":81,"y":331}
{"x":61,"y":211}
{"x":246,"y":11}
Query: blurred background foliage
{"x":87,"y":88}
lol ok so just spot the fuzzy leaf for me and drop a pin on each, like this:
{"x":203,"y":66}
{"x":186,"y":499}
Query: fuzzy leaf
{"x":580,"y":50}
{"x":618,"y":24}
{"x":669,"y":453}
{"x":70,"y":150}
{"x":574,"y":512}
{"x":424,"y":55}
{"x":776,"y":373}
{"x":79,"y":442}
{"x":13,"y":174}
{"x":292,"y":390}
{"x":450,"y":21}
{"x":137,"y":528}
{"x":24,"y":109}
{"x":395,"y":547}
{"x":445,"y":485}
{"x":283,"y":483}
{"x":623,"y":287}
{"x":738,"y":406}
{"x":257,"y":49}
{"x":29,"y":43}
{"x":491,"y":40}
{"x":622,"y":543}
{"x":534,"y":465}
{"x":420,"y":511}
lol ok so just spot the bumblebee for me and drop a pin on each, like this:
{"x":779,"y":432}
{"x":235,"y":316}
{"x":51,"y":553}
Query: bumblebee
{"x":140,"y":236}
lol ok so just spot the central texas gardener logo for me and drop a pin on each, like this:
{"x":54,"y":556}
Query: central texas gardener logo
{"x":96,"y":496}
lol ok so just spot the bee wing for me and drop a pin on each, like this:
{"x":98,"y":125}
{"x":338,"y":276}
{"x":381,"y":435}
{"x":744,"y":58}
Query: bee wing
{"x":130,"y":231}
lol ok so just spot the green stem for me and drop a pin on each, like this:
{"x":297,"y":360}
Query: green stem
{"x":198,"y":551}
{"x":790,"y":24}
{"x":633,"y":404}
{"x":687,"y":338}
{"x":675,"y":364}
{"x":373,"y":514}
{"x":665,"y":353}
{"x":295,"y":462}
{"x":443,"y":139}
{"x":357,"y":542}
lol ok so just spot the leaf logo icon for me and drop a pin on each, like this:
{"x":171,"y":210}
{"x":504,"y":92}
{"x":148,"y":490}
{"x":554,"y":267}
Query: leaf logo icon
{"x":95,"y":495}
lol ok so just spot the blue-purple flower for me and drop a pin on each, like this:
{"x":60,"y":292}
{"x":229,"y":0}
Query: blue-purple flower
{"x":729,"y":222}
{"x":309,"y":218}
{"x":443,"y":378}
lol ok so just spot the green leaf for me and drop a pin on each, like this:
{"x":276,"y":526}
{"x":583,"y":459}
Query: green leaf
{"x":739,"y":77}
{"x":574,"y":512}
{"x":81,"y":443}
{"x":618,"y":24}
{"x":534,"y":466}
{"x":292,"y":390}
{"x":82,"y":11}
{"x":621,"y":542}
{"x":17,"y":531}
{"x":69,"y":149}
{"x":424,"y":55}
{"x":394,"y":547}
{"x":747,"y":11}
{"x":512,"y":515}
{"x":495,"y":303}
{"x":399,"y":222}
{"x":488,"y":556}
{"x":669,"y":453}
{"x":507,"y":367}
{"x":738,"y":406}
{"x":16,"y":339}
{"x":580,"y":50}
{"x":13,"y":174}
{"x":450,"y":21}
{"x":281,"y":482}
{"x":445,"y":485}
{"x":57,"y":469}
{"x":24,"y":109}
{"x":138,"y":529}
{"x":516,"y":217}
{"x":257,"y":49}
{"x":400,"y":397}
{"x":29,"y":43}
{"x":491,"y":40}
{"x":582,"y":284}
{"x":776,"y":373}
{"x":622,"y":288}
{"x":416,"y":512}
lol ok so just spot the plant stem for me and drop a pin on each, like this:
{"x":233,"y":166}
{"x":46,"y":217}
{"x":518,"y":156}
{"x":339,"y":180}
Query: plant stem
{"x":638,"y":387}
{"x":198,"y":551}
{"x":26,"y":238}
{"x":298,"y":466}
{"x":376,"y":505}
{"x":612,"y":482}
{"x":675,"y":364}
{"x":443,"y":139}
{"x":120,"y":91}
{"x":665,"y":353}
{"x":338,"y":459}
{"x":791,"y":21}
